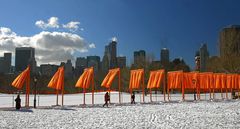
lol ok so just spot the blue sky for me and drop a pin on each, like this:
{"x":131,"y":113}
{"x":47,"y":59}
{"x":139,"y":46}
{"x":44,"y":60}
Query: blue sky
{"x":181,"y":26}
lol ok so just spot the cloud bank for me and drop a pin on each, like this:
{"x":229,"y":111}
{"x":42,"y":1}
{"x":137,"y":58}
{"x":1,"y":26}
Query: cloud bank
{"x":50,"y":47}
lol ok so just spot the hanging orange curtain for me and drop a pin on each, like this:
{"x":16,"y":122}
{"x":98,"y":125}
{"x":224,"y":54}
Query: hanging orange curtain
{"x":238,"y":82}
{"x":107,"y":82}
{"x":235,"y":81}
{"x":155,"y":79}
{"x":135,"y":78}
{"x":217,"y":78}
{"x":57,"y":81}
{"x":175,"y":79}
{"x":21,"y":78}
{"x":85,"y":79}
{"x":190,"y":80}
{"x":229,"y":81}
{"x":205,"y":80}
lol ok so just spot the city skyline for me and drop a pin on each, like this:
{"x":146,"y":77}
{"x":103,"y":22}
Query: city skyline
{"x":85,"y":27}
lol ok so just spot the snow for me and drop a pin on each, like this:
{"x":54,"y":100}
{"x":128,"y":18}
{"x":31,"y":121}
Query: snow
{"x":159,"y":114}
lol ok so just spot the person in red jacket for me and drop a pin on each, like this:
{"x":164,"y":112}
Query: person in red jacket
{"x":106,"y":98}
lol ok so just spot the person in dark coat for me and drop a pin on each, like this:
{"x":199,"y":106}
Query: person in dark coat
{"x":133,"y":98}
{"x":106,"y":98}
{"x":18,"y":102}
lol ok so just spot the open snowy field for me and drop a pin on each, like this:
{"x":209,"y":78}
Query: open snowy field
{"x":174,"y":114}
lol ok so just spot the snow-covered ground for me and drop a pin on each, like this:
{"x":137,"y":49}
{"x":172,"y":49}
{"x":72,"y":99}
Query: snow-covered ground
{"x":174,"y":114}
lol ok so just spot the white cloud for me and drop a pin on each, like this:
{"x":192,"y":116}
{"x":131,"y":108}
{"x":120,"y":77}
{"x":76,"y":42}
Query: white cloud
{"x":72,"y":26}
{"x":52,"y":23}
{"x":50,"y":47}
{"x":92,"y":45}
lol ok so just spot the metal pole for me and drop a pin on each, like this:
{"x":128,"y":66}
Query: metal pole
{"x":35,"y":91}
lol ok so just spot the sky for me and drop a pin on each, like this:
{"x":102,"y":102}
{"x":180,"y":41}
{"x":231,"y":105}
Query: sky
{"x":66,"y":29}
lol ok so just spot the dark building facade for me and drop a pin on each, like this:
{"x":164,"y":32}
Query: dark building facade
{"x":165,"y":55}
{"x":93,"y":61}
{"x":111,"y":53}
{"x":204,"y":55}
{"x":229,"y":41}
{"x":139,"y":57}
{"x":24,"y":56}
{"x":121,"y":61}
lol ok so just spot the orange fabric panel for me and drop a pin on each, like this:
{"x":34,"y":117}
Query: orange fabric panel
{"x":85,"y":79}
{"x":81,"y":79}
{"x":238,"y":81}
{"x":57,"y":80}
{"x":53,"y":81}
{"x":217,"y":78}
{"x":151,"y":79}
{"x":234,"y":81}
{"x":205,"y":80}
{"x":223,"y":81}
{"x":107,"y":82}
{"x":60,"y":81}
{"x":229,"y":81}
{"x":136,"y":78}
{"x":155,"y":79}
{"x":175,"y":79}
{"x":190,"y":80}
{"x":20,"y":79}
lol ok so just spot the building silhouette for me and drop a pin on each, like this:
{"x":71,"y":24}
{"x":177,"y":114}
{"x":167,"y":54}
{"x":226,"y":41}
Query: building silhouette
{"x":204,"y":55}
{"x":139,"y":57}
{"x":68,"y":69}
{"x":93,"y":61}
{"x":25,"y":56}
{"x":164,"y":55}
{"x":80,"y":65}
{"x":121,"y":61}
{"x":229,"y":41}
{"x":111,"y":54}
{"x":48,"y":69}
{"x":5,"y":63}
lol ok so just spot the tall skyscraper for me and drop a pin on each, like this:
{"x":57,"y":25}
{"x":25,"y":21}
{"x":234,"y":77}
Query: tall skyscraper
{"x":121,"y":61}
{"x":165,"y":55}
{"x":81,"y":64}
{"x":229,"y":42}
{"x":105,"y":63}
{"x":139,"y":57}
{"x":93,"y":61}
{"x":5,"y":63}
{"x":111,"y":54}
{"x":68,"y":69}
{"x":204,"y":55}
{"x":24,"y":56}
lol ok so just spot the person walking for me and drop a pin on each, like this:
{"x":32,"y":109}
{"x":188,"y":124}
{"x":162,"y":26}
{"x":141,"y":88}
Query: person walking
{"x":18,"y":102}
{"x":133,"y":98}
{"x":106,"y":98}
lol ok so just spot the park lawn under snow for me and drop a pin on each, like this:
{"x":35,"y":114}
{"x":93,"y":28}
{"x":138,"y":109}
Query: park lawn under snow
{"x":174,"y":114}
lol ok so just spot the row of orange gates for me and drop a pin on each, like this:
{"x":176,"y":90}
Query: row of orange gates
{"x":207,"y":82}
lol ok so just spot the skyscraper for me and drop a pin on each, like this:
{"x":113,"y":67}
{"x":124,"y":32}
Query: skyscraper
{"x":24,"y":56}
{"x":93,"y":61}
{"x":111,"y":53}
{"x":68,"y":69}
{"x":229,"y":42}
{"x":81,"y":64}
{"x":204,"y":55}
{"x":121,"y":61}
{"x":139,"y":57}
{"x":5,"y":63}
{"x":165,"y":55}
